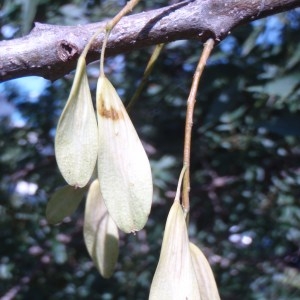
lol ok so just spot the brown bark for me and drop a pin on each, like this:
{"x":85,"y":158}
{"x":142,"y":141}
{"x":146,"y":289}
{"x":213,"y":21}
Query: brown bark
{"x":51,"y":51}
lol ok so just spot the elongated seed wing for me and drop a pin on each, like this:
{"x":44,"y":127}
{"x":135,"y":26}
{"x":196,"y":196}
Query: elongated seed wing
{"x":76,"y":140}
{"x":205,"y":277}
{"x":175,"y":276}
{"x":100,"y":232}
{"x":123,"y":167}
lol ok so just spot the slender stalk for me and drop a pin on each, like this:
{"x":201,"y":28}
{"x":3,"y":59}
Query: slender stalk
{"x":178,"y":191}
{"x":88,"y":45}
{"x":208,"y":46}
{"x":109,"y":27}
{"x":147,"y":72}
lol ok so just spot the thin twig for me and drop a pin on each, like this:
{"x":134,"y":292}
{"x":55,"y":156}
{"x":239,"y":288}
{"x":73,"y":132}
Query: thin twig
{"x":110,"y":25}
{"x":208,"y":46}
{"x":147,"y":72}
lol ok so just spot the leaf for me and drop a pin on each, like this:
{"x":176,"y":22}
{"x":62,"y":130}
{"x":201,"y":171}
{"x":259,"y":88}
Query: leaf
{"x":229,"y":117}
{"x":285,"y":124}
{"x":123,"y":166}
{"x":100,"y":232}
{"x":251,"y":42}
{"x":29,"y":8}
{"x":175,"y":277}
{"x":63,"y":203}
{"x":294,"y":59}
{"x":281,"y":87}
{"x":205,"y":277}
{"x":76,"y":140}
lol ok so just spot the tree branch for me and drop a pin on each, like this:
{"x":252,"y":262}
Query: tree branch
{"x":51,"y":51}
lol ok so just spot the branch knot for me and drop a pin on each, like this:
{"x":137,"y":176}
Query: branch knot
{"x":66,"y":50}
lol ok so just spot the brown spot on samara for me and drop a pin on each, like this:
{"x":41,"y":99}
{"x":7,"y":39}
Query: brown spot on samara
{"x":110,"y":113}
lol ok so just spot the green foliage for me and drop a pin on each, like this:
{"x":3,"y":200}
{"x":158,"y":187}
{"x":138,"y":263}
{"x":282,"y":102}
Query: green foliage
{"x":245,"y":166}
{"x":63,"y":202}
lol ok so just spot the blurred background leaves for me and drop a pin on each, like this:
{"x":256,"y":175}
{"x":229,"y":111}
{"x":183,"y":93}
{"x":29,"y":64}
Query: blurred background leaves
{"x":245,"y":162}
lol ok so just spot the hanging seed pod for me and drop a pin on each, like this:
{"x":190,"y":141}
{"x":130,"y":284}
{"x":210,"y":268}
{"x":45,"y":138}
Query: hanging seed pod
{"x":76,"y":140}
{"x":123,"y":167}
{"x":205,"y":277}
{"x":100,"y":232}
{"x":63,"y":203}
{"x":175,"y":278}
